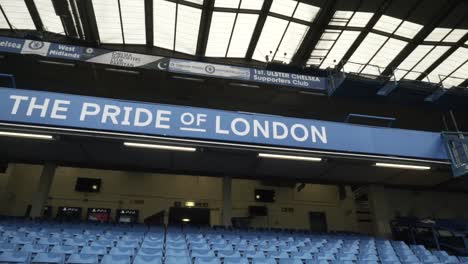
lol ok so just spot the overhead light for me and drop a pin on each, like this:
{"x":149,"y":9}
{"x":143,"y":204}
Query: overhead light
{"x":402,"y":166}
{"x":189,"y":204}
{"x":25,"y":135}
{"x":154,"y":146}
{"x":312,"y":93}
{"x":188,"y":78}
{"x":122,"y":71}
{"x":288,"y":157}
{"x":244,"y":85}
{"x":57,"y":63}
{"x":186,"y":220}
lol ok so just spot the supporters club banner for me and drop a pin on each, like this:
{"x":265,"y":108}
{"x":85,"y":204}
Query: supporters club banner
{"x":92,"y":113}
{"x":136,"y":60}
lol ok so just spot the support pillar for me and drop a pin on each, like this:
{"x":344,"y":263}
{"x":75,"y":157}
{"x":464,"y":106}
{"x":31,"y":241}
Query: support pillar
{"x":381,"y":217}
{"x":227,"y":200}
{"x":40,"y":197}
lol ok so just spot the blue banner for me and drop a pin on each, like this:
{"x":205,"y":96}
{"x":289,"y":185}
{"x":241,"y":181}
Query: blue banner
{"x":64,"y":110}
{"x":136,"y":60}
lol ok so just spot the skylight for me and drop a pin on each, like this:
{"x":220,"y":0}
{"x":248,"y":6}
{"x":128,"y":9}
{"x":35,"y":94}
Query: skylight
{"x":108,"y":20}
{"x":49,"y":18}
{"x":451,"y":71}
{"x":246,"y":4}
{"x":176,"y":26}
{"x":133,"y":20}
{"x":295,"y":9}
{"x":418,"y":61}
{"x":397,"y":26}
{"x":18,"y":15}
{"x":279,"y":40}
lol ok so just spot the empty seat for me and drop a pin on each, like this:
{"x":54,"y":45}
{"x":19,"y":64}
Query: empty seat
{"x":152,"y":244}
{"x":278,"y":255}
{"x":201,"y":246}
{"x":207,"y":260}
{"x":228,"y":253}
{"x":129,"y":243}
{"x":267,"y":248}
{"x":177,"y":260}
{"x":201,"y":253}
{"x":22,"y":240}
{"x":7,"y":247}
{"x":51,"y":241}
{"x":77,"y":242}
{"x":263,"y":261}
{"x":301,"y":255}
{"x":102,"y":243}
{"x":176,"y":252}
{"x":254,"y":254}
{"x":127,"y":251}
{"x":150,"y":252}
{"x":115,"y":259}
{"x":290,"y":261}
{"x":55,"y":258}
{"x":218,"y":247}
{"x":14,"y":257}
{"x":37,"y":248}
{"x":235,"y":260}
{"x":245,"y":247}
{"x":147,"y":259}
{"x":64,"y":249}
{"x":83,"y":259}
{"x":288,"y":248}
{"x":94,"y":250}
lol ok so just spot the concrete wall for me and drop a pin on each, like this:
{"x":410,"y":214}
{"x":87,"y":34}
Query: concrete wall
{"x":122,"y":189}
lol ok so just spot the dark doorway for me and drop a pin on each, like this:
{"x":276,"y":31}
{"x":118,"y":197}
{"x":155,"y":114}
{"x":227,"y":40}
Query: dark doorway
{"x":318,"y":222}
{"x":192,"y":216}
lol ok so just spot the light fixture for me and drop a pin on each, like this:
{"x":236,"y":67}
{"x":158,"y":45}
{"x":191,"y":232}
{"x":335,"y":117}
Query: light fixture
{"x":402,"y":166}
{"x":186,"y":220}
{"x":288,"y":157}
{"x":122,"y":71}
{"x":155,"y":146}
{"x":57,"y":63}
{"x":185,"y":78}
{"x":25,"y":135}
{"x":189,"y":204}
{"x":94,"y":187}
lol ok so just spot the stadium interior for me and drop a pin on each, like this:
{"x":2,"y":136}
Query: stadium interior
{"x":234,"y":131}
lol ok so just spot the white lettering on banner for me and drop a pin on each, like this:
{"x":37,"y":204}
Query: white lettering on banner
{"x":41,"y":107}
{"x":57,"y":107}
{"x":190,"y":122}
{"x":17,"y":103}
{"x":86,"y":112}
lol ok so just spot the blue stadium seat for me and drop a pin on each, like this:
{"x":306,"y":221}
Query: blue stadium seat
{"x":8,"y":247}
{"x":83,"y":259}
{"x":235,"y":260}
{"x":269,"y":248}
{"x":152,"y":244}
{"x":463,"y":259}
{"x":37,"y":248}
{"x":301,"y":255}
{"x":278,"y":255}
{"x":55,"y":258}
{"x":176,"y":252}
{"x":448,"y":259}
{"x":245,"y":247}
{"x":177,"y":260}
{"x":94,"y":250}
{"x":217,"y":247}
{"x":146,"y":259}
{"x":228,"y":253}
{"x":102,"y":243}
{"x":150,"y":252}
{"x":254,"y":254}
{"x":115,"y":259}
{"x":50,"y":241}
{"x":126,"y":251}
{"x":201,"y":246}
{"x":288,"y":248}
{"x":63,"y":249}
{"x":77,"y":242}
{"x":202,"y":253}
{"x":129,"y":243}
{"x":22,"y":240}
{"x":14,"y":257}
{"x":290,"y":261}
{"x":207,"y":260}
{"x":263,"y":261}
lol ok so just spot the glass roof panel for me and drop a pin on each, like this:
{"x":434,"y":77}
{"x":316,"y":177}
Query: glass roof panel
{"x":252,"y":4}
{"x":306,"y":12}
{"x":269,"y":38}
{"x":384,"y":56}
{"x":438,"y":34}
{"x":340,"y":48}
{"x":199,"y":2}
{"x":220,"y":32}
{"x":242,"y":35}
{"x":408,"y":29}
{"x":430,"y":58}
{"x":360,"y":19}
{"x":108,"y":20}
{"x":164,"y":15}
{"x":3,"y":22}
{"x":291,"y":42}
{"x":387,"y":24}
{"x":283,"y":7}
{"x":455,"y":35}
{"x":49,"y":18}
{"x":457,"y":59}
{"x":369,"y":46}
{"x":18,"y":14}
{"x":133,"y":18}
{"x":457,"y":77}
{"x":227,"y":3}
{"x":188,"y":25}
{"x":340,"y":18}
